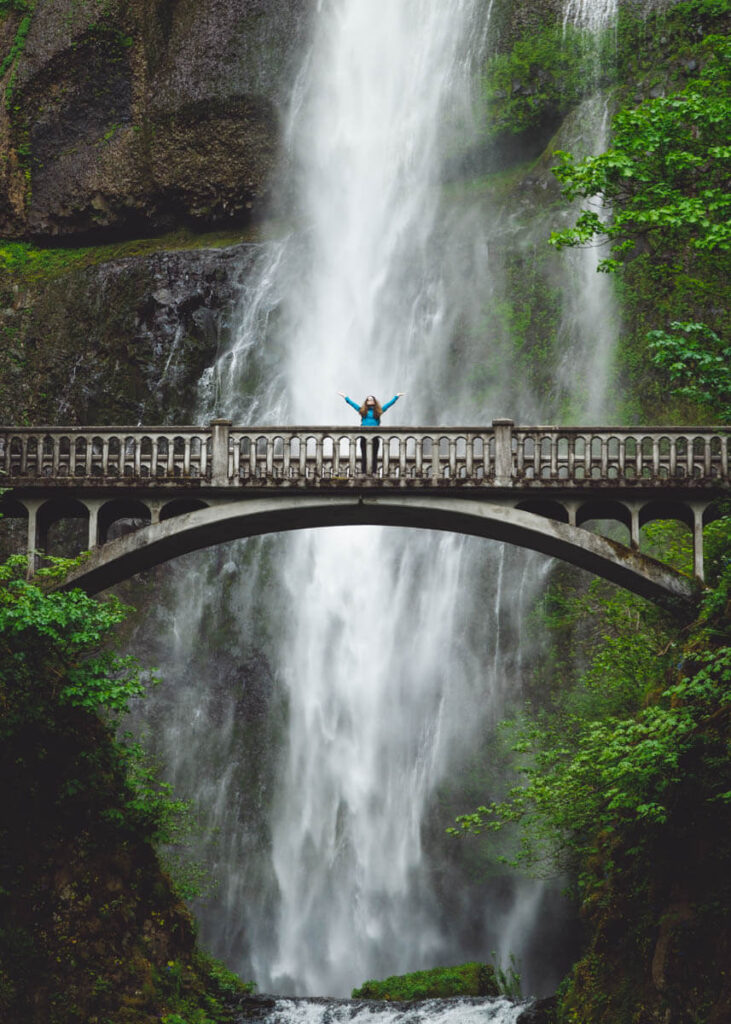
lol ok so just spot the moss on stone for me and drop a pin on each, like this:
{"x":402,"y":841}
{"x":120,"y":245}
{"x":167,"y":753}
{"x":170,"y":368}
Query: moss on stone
{"x":472,"y":979}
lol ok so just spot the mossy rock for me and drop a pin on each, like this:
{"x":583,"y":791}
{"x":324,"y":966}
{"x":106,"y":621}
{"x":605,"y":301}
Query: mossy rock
{"x":472,"y":979}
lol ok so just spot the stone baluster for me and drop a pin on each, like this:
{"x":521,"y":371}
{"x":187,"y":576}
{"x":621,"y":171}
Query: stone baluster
{"x":418,"y":456}
{"x":352,"y":455}
{"x":435,"y":458}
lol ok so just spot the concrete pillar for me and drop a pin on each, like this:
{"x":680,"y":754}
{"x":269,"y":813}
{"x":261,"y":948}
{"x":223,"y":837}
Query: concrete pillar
{"x":220,"y":430}
{"x":572,"y":508}
{"x":93,"y":509}
{"x":32,"y":541}
{"x":698,"y":566}
{"x":503,"y":452}
{"x":634,"y":530}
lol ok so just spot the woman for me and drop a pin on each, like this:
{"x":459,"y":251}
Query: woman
{"x":370,"y":416}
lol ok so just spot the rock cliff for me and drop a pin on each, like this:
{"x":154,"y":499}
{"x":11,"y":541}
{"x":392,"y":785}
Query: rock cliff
{"x":131,"y":116}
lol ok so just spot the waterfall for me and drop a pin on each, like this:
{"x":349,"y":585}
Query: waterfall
{"x":595,"y":15}
{"x":351,"y":672}
{"x":588,"y":329}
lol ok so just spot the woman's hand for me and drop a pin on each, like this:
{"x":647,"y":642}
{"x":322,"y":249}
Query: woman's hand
{"x":400,"y":394}
{"x":342,"y":394}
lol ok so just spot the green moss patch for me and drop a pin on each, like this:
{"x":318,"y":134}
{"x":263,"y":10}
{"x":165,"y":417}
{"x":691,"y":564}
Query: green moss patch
{"x":33,"y":263}
{"x":473,"y":979}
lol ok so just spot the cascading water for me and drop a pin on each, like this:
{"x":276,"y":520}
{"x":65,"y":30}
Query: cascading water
{"x":595,"y":15}
{"x":351,"y":670}
{"x":589,"y":324}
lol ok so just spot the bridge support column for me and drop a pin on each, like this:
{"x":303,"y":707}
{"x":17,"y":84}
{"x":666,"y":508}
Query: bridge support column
{"x":698,"y":567}
{"x":93,"y":537}
{"x":503,"y":452}
{"x":572,"y":508}
{"x":32,"y":543}
{"x":634,"y":530}
{"x":220,"y":430}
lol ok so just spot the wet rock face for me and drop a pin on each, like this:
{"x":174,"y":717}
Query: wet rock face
{"x":134,"y":116}
{"x":122,"y":342}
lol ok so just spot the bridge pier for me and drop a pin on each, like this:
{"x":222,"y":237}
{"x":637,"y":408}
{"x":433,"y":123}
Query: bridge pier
{"x":634,"y":531}
{"x":32,"y":505}
{"x":93,"y":506}
{"x":698,"y":563}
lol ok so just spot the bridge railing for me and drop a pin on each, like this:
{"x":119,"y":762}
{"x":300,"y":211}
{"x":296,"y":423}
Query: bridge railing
{"x":630,"y":454}
{"x":500,"y":455}
{"x":101,"y":452}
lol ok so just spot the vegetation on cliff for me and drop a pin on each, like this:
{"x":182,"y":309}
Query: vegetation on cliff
{"x":91,"y":928}
{"x":471,"y":979}
{"x":623,"y":750}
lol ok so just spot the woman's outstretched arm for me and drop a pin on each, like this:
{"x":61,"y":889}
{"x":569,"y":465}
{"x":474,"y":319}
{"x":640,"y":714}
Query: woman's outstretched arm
{"x":349,"y":401}
{"x":399,"y":394}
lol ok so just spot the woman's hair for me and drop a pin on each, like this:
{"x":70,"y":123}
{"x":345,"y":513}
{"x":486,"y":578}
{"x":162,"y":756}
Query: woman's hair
{"x":377,"y":408}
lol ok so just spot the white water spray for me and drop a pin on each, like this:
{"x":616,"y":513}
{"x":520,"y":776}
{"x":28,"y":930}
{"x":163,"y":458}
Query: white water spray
{"x":589,"y":316}
{"x":385,"y":644}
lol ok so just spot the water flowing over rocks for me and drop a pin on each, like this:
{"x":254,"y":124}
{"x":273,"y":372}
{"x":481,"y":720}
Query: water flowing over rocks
{"x":151,"y":324}
{"x":272,"y":1010}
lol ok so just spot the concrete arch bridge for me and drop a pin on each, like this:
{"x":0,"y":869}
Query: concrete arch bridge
{"x":148,"y":494}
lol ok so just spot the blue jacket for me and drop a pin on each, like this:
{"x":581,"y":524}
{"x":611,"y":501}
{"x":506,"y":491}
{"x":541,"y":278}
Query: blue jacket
{"x":369,"y":420}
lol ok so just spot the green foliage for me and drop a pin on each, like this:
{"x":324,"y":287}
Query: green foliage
{"x":508,"y":979}
{"x":14,"y":5}
{"x":18,"y":46}
{"x":62,"y":637}
{"x":588,"y":781}
{"x":89,"y":922}
{"x":698,"y":362}
{"x":544,"y":75}
{"x":471,"y":979}
{"x":665,"y":175}
{"x":626,"y":786}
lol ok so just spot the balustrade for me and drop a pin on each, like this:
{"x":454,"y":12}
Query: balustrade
{"x":132,"y":453}
{"x":503,"y":455}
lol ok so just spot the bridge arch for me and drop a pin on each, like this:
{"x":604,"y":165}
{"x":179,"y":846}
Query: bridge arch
{"x":215,"y":524}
